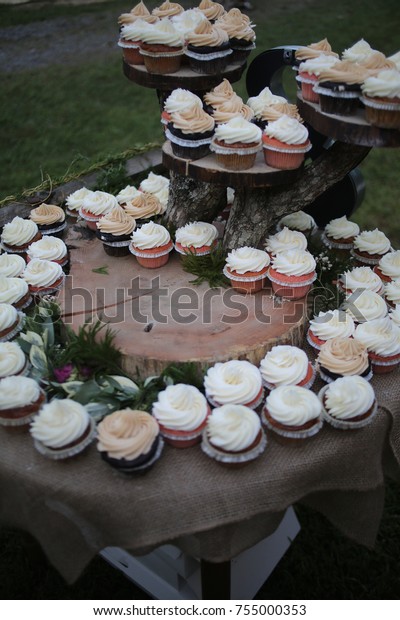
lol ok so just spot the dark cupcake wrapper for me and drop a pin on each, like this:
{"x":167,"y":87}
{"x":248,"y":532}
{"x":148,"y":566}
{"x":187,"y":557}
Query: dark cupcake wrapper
{"x":177,"y":133}
{"x":139,"y":465}
{"x":208,"y":49}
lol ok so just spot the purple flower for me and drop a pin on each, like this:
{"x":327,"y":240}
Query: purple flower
{"x":86,"y":371}
{"x":63,"y":374}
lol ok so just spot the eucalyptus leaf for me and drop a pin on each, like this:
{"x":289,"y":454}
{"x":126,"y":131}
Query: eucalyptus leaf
{"x":71,"y":387}
{"x":98,"y":410}
{"x":33,"y":338}
{"x":88,"y":391}
{"x":38,"y":358}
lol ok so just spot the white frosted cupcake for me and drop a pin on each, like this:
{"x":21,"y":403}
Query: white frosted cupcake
{"x":125,"y":195}
{"x":75,"y":200}
{"x":233,"y":435}
{"x":151,"y":244}
{"x":285,"y":143}
{"x":264,"y":99}
{"x":284,"y":240}
{"x":327,"y":325}
{"x":359,"y":51}
{"x":286,"y":365}
{"x":11,"y":322}
{"x":162,"y":47}
{"x":11,"y":265}
{"x":196,"y":237}
{"x":381,"y":97}
{"x":341,"y":357}
{"x":348,"y":403}
{"x":394,"y":315}
{"x":382,"y":339}
{"x":130,"y":39}
{"x":20,"y":400}
{"x":63,"y":428}
{"x":309,"y":71}
{"x":339,"y":234}
{"x":15,"y":291}
{"x":18,"y":234}
{"x":12,"y":360}
{"x":365,"y":305}
{"x":370,"y":246}
{"x":292,"y":413}
{"x":388,"y":268}
{"x":236,"y":382}
{"x":247,"y":269}
{"x":292,"y":274}
{"x":181,"y":411}
{"x":49,"y":248}
{"x":392,"y":292}
{"x":236,"y":143}
{"x":179,"y":101}
{"x":157,"y":185}
{"x":360,"y":278}
{"x":299,"y":220}
{"x":95,"y":205}
{"x":44,"y":277}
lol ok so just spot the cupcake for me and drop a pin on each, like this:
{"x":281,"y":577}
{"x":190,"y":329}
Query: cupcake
{"x":392,"y":292}
{"x":11,"y":322}
{"x":95,"y":205}
{"x":75,"y":200}
{"x":126,"y":195}
{"x":286,"y":365}
{"x":339,"y":234}
{"x":115,"y":230}
{"x":62,"y":429}
{"x":314,"y":50}
{"x":140,"y":11}
{"x":20,"y":400}
{"x":284,"y":240}
{"x":167,"y":10}
{"x":49,"y":248}
{"x":151,"y":244}
{"x":50,"y":219}
{"x":388,"y":267}
{"x":292,"y":274}
{"x":285,"y":143}
{"x":236,"y":382}
{"x":218,"y":95}
{"x":360,"y":278}
{"x":190,"y":133}
{"x":130,"y":41}
{"x":180,"y":100}
{"x":339,"y":88}
{"x":382,"y":339}
{"x":211,"y":10}
{"x":358,"y":52}
{"x":246,"y":268}
{"x":309,"y":72}
{"x":12,"y":360}
{"x":394,"y":314}
{"x":233,"y":436}
{"x":299,"y":220}
{"x":208,"y":49}
{"x":15,"y":291}
{"x":348,"y":403}
{"x":340,"y":357}
{"x":144,"y":207}
{"x":11,"y":265}
{"x":240,"y":32}
{"x":188,"y":21}
{"x":376,"y":63}
{"x":181,"y":412}
{"x":158,"y":185}
{"x":370,"y":246}
{"x":44,"y":277}
{"x":292,"y":413}
{"x":197,"y":238}
{"x":364,"y":305}
{"x":18,"y":234}
{"x":129,"y":440}
{"x":269,"y":107}
{"x":328,"y":325}
{"x":236,"y":144}
{"x":162,"y":47}
{"x":229,"y":109}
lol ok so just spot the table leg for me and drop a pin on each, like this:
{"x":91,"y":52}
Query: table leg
{"x":215,"y":580}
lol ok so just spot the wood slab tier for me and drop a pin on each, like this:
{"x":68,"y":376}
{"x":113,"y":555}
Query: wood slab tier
{"x":160,"y":318}
{"x":208,"y":170}
{"x":350,"y":129}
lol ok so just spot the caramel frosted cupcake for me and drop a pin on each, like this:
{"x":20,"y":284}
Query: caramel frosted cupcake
{"x":388,"y":267}
{"x":196,"y":237}
{"x":11,"y":265}
{"x":211,"y":10}
{"x":233,"y":436}
{"x":188,"y":21}
{"x":11,"y":322}
{"x":286,"y":365}
{"x":190,"y":133}
{"x":292,"y":413}
{"x":247,"y":269}
{"x":180,"y":100}
{"x":114,"y":230}
{"x":314,"y":50}
{"x":284,"y":240}
{"x":44,"y":277}
{"x":12,"y":360}
{"x":95,"y":206}
{"x":181,"y":411}
{"x":20,"y":400}
{"x":328,"y":325}
{"x":75,"y":200}
{"x":365,"y":305}
{"x":309,"y":72}
{"x":140,"y":11}
{"x":341,"y":357}
{"x":143,"y":207}
{"x":370,"y":246}
{"x":240,"y":32}
{"x":218,"y":95}
{"x":285,"y":143}
{"x":131,"y":39}
{"x":299,"y":220}
{"x":348,"y":403}
{"x":129,"y":440}
{"x":18,"y":234}
{"x":158,"y":185}
{"x":230,"y":108}
{"x":15,"y":291}
{"x":236,"y":144}
{"x":236,"y":382}
{"x":50,"y":219}
{"x":151,"y":244}
{"x":49,"y":248}
{"x":392,"y":292}
{"x":360,"y":278}
{"x":127,"y":194}
{"x":269,"y":107}
{"x":292,"y":273}
{"x":382,"y":339}
{"x":62,"y":429}
{"x":167,"y":9}
{"x":339,"y":88}
{"x":162,"y":47}
{"x":339,"y":234}
{"x":208,"y":49}
{"x":381,"y":97}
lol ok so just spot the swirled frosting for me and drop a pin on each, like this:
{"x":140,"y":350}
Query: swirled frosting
{"x":192,"y":120}
{"x":247,"y":259}
{"x":345,"y":72}
{"x":127,"y":434}
{"x":75,"y":200}
{"x":181,"y":99}
{"x":47,"y":214}
{"x":237,"y":25}
{"x":349,"y":397}
{"x":19,"y":231}
{"x":378,"y":62}
{"x":372,"y":241}
{"x":211,"y":10}
{"x":40,"y":272}
{"x":180,"y":407}
{"x":344,"y":356}
{"x":8,"y":316}
{"x":341,"y":228}
{"x":275,"y":111}
{"x":394,"y":315}
{"x":47,"y":248}
{"x":127,"y":194}
{"x":219,"y":93}
{"x":235,"y":382}
{"x":357,"y":52}
{"x":238,"y":130}
{"x":187,"y":21}
{"x":150,"y":236}
{"x":205,"y":34}
{"x":365,"y":305}
{"x":392,"y":291}
{"x":332,"y":324}
{"x":381,"y":336}
{"x":298,"y":221}
{"x":396,"y":59}
{"x":162,"y":32}
{"x":60,"y":422}
{"x":315,"y":65}
{"x":292,"y":405}
{"x":294,"y":262}
{"x":140,"y":11}
{"x":134,"y":31}
{"x":385,"y":84}
{"x":18,"y":392}
{"x":158,"y":185}
{"x":12,"y":289}
{"x":12,"y":359}
{"x":361,"y":277}
{"x":286,"y":239}
{"x":116,"y":222}
{"x":389,"y":264}
{"x":196,"y":234}
{"x":143,"y":206}
{"x":233,"y":428}
{"x":288,"y":130}
{"x":99,"y":203}
{"x":284,"y":365}
{"x":11,"y":265}
{"x":167,"y":9}
{"x":231,"y":108}
{"x":314,"y":49}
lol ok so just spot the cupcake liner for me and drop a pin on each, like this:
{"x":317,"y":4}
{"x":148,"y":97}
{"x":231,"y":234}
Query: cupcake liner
{"x":10,"y":335}
{"x":117,"y":244}
{"x":311,"y":342}
{"x":75,"y":214}
{"x":222,"y":150}
{"x":141,"y":469}
{"x":89,"y":218}
{"x":57,"y":455}
{"x":161,"y":54}
{"x":337,"y":94}
{"x":244,"y":48}
{"x":303,"y":80}
{"x":252,"y":405}
{"x":49,"y":289}
{"x":186,"y":143}
{"x":364,"y":259}
{"x":382,"y":114}
{"x":329,"y":379}
{"x":299,"y":434}
{"x":345,"y":424}
{"x":379,"y":360}
{"x":224,"y":457}
{"x":287,"y":149}
{"x":243,"y":278}
{"x":307,"y":386}
{"x":154,"y":254}
{"x":333,"y":245}
{"x":379,"y":105}
{"x":292,"y":284}
{"x":128,"y":45}
{"x":21,"y":421}
{"x":207,"y":57}
{"x":26,"y":304}
{"x":55,"y":230}
{"x":10,"y":250}
{"x":202,"y":253}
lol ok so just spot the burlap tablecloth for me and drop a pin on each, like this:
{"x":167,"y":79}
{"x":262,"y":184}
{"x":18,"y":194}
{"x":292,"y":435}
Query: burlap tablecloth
{"x":77,"y":507}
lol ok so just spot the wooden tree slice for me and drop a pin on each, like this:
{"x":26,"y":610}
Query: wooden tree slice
{"x":161,"y":318}
{"x":349,"y":129}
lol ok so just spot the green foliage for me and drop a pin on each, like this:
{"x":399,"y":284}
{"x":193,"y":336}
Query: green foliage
{"x":113,"y":178}
{"x":102,"y":270}
{"x":207,"y":268}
